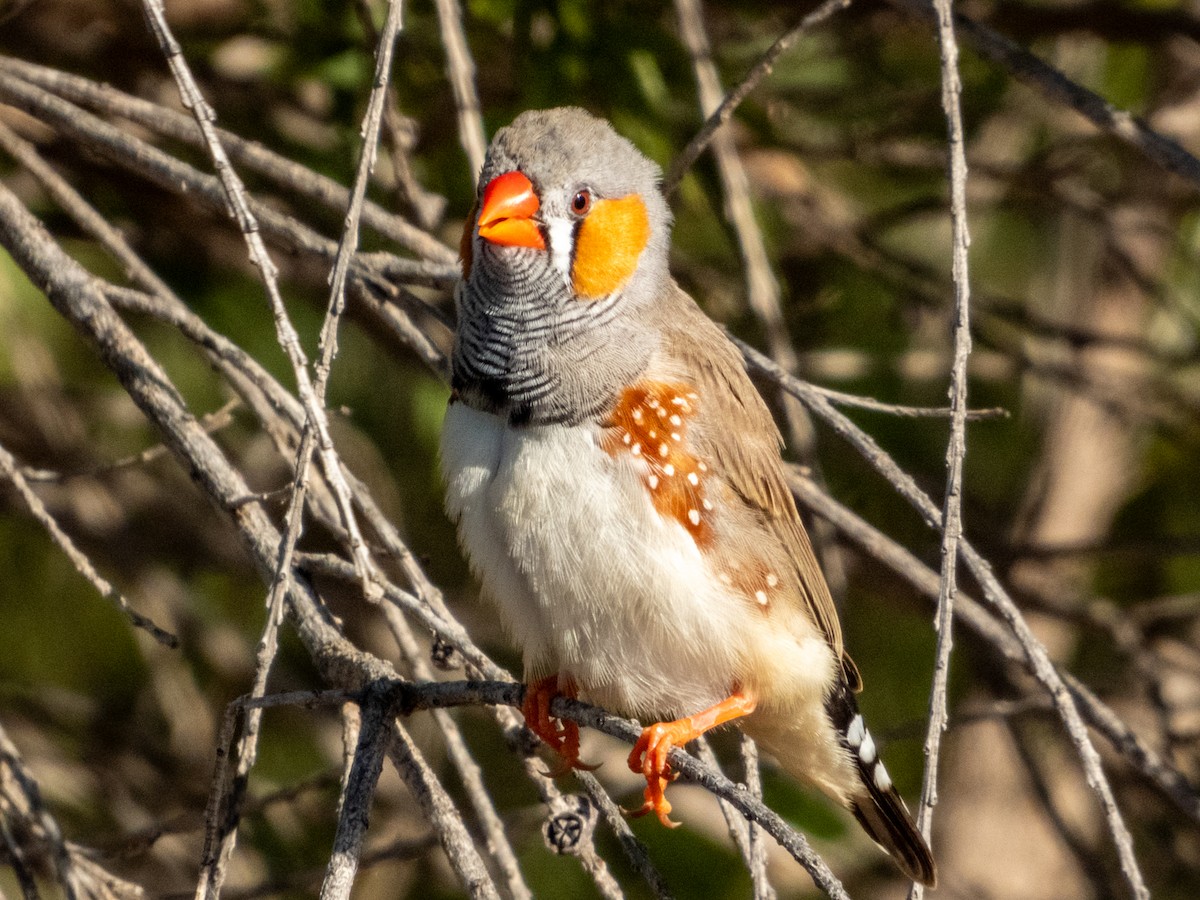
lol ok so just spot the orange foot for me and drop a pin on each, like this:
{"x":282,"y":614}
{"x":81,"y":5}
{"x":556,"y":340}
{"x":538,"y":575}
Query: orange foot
{"x":561,"y":736}
{"x":649,"y":756}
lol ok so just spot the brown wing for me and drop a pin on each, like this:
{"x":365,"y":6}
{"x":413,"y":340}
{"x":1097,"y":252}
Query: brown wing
{"x":746,"y":451}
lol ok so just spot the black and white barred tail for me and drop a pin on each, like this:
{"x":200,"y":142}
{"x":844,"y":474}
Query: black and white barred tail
{"x":879,"y":808}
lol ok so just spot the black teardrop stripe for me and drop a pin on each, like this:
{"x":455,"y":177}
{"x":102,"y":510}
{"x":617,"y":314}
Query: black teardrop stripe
{"x":879,"y":810}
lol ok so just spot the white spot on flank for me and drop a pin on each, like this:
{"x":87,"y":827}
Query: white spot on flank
{"x":694,"y":481}
{"x":725,"y":579}
{"x":675,"y":436}
{"x":663,"y":450}
{"x":867,"y":751}
{"x":854,"y":734}
{"x":883,"y":780}
{"x":662,"y":413}
{"x":772,"y":579}
{"x":653,"y":435}
{"x":706,"y":504}
{"x":676,"y":421}
{"x":761,"y":597}
{"x":652,"y":403}
{"x":636,"y":449}
{"x":702,"y":467}
{"x":668,"y":470}
{"x":652,"y":480}
{"x":678,"y":401}
{"x":694,"y":516}
{"x":637,"y":415}
{"x":627,"y":439}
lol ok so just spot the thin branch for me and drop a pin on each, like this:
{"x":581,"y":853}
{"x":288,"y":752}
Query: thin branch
{"x":441,"y":813}
{"x":1053,"y":84}
{"x":250,"y":155}
{"x":239,"y":207}
{"x":10,"y":470}
{"x":357,"y":795}
{"x":734,"y":98}
{"x":956,"y":449}
{"x":460,"y":69}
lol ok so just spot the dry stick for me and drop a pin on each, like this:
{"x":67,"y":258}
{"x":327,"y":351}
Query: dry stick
{"x":1058,"y":87}
{"x":734,"y":823}
{"x":289,"y":340}
{"x":250,"y":155}
{"x":373,"y":736}
{"x":439,"y":809}
{"x":11,"y":470}
{"x":1037,"y":659}
{"x":427,"y":206}
{"x":758,"y":847}
{"x":460,"y":69}
{"x":956,"y":448}
{"x":469,"y":772}
{"x":734,"y":98}
{"x":74,"y":294}
{"x":30,"y":799}
{"x":841,"y":398}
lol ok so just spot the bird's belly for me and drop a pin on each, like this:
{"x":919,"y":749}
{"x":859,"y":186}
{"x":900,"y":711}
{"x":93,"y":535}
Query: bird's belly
{"x":592,"y":582}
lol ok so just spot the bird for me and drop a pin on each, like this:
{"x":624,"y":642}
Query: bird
{"x":618,"y":485}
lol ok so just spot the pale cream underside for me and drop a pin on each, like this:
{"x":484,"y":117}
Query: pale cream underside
{"x":593,"y":584}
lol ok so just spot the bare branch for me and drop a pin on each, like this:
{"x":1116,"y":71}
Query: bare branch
{"x":460,"y":68}
{"x":1053,"y":84}
{"x":956,"y":449}
{"x":11,"y":470}
{"x":733,"y":99}
{"x":357,"y":795}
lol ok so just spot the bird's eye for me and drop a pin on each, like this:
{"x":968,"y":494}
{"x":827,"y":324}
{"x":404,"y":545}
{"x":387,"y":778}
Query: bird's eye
{"x":581,"y":202}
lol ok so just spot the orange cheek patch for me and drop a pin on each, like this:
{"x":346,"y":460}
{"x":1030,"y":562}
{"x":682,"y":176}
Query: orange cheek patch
{"x":650,"y":423}
{"x":608,"y":246}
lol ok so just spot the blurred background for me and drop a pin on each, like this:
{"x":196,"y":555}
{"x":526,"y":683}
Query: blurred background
{"x":1085,"y":497}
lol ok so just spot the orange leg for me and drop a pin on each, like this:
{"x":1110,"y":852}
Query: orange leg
{"x":560,"y":736}
{"x":649,"y":756}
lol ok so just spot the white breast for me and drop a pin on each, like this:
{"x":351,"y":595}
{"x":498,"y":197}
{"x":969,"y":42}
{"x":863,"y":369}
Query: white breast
{"x":591,"y":581}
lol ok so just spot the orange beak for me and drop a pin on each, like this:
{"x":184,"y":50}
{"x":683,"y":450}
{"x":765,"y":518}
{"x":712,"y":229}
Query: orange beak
{"x":506,"y":218}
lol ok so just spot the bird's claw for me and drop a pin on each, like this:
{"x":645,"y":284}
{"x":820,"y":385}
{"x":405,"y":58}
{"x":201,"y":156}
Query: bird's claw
{"x":561,"y":736}
{"x":649,"y":759}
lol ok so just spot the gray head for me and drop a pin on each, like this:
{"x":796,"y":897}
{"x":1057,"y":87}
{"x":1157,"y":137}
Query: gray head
{"x":563,"y":258}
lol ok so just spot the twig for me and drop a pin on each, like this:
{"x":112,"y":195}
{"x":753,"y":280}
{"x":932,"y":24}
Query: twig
{"x":460,"y":755}
{"x":440,"y":811}
{"x":460,"y":69}
{"x":27,"y":803}
{"x":841,"y":398}
{"x":758,"y":848}
{"x":956,"y":449}
{"x":733,"y":99}
{"x":1058,"y":87}
{"x":357,"y":795}
{"x":11,"y":470}
{"x":239,"y":207}
{"x":250,"y":155}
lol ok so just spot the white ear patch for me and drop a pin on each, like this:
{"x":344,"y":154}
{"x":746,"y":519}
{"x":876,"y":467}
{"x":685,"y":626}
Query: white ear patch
{"x":561,"y":233}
